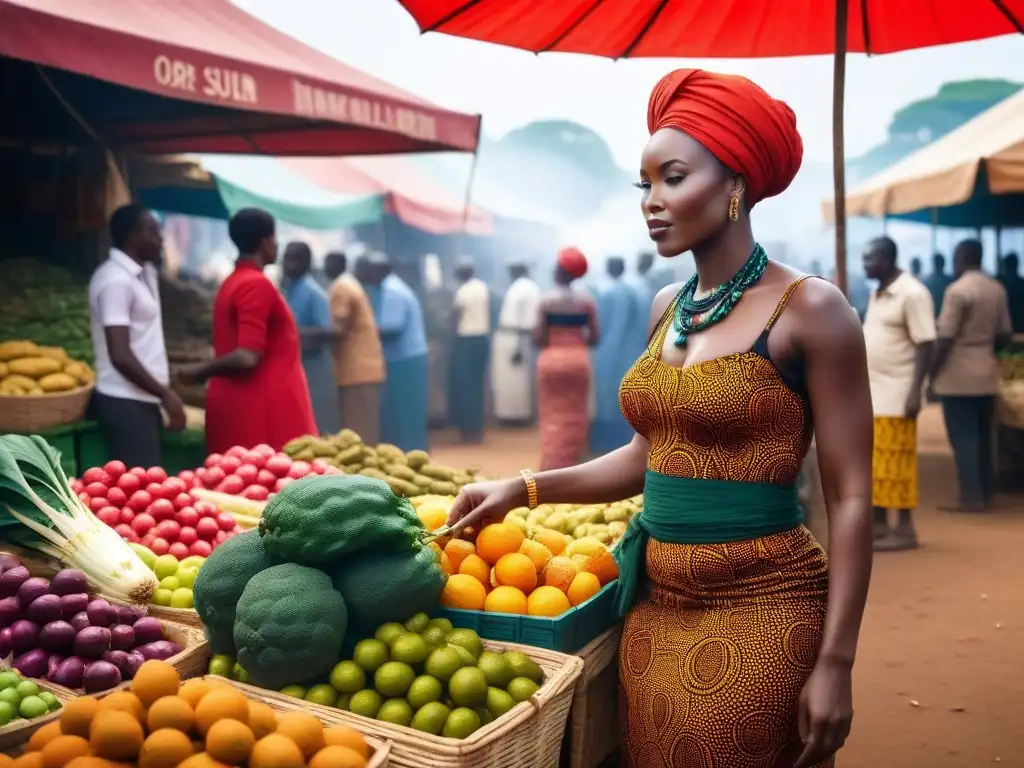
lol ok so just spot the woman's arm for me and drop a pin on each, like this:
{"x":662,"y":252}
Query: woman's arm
{"x":253,"y":304}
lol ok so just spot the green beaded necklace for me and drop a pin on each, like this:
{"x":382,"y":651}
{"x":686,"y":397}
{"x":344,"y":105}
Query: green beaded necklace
{"x":693,"y":315}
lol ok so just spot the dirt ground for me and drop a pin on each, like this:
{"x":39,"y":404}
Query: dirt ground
{"x":939,"y":680}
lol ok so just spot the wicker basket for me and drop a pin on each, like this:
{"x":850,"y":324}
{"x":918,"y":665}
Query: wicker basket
{"x":529,"y":736}
{"x":19,"y":732}
{"x":186,"y":616}
{"x":32,"y":413}
{"x":593,"y":732}
{"x":1010,"y":408}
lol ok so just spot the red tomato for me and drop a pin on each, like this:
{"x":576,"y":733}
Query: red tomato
{"x":156,"y":490}
{"x":117,"y":497}
{"x":320,"y":466}
{"x":201,"y":548}
{"x":214,"y":477}
{"x":161,"y":509}
{"x":179,"y":550}
{"x":247,"y":472}
{"x":142,"y":523}
{"x":156,"y":474}
{"x":282,"y":482}
{"x":236,"y":451}
{"x":147,"y":541}
{"x":226,"y":521}
{"x":205,"y":508}
{"x":212,"y":460}
{"x":232,"y":484}
{"x":77,"y":486}
{"x":188,"y":477}
{"x":159,"y":546}
{"x":257,"y":460}
{"x":96,"y":475}
{"x":127,"y":516}
{"x":220,"y":538}
{"x":187,"y":535}
{"x":256,"y":493}
{"x":264,"y":450}
{"x":139,"y":500}
{"x":125,"y":531}
{"x":129,"y":483}
{"x":207,"y":528}
{"x":279,"y":464}
{"x":96,"y":503}
{"x":96,"y":489}
{"x":266,"y":478}
{"x":139,"y":472}
{"x":299,"y":470}
{"x":168,"y":529}
{"x":173,"y":486}
{"x":84,"y":498}
{"x":115,"y":469}
{"x":109,"y":516}
{"x":182,"y":500}
{"x":196,"y":483}
{"x":230,"y":464}
{"x":187,"y":517}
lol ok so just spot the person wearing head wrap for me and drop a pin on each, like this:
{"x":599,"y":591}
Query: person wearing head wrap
{"x":513,"y":356}
{"x":566,"y":326}
{"x":726,"y":658}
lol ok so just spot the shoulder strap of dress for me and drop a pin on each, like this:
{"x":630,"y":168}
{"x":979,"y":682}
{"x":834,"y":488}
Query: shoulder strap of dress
{"x":781,"y":306}
{"x":657,"y":338}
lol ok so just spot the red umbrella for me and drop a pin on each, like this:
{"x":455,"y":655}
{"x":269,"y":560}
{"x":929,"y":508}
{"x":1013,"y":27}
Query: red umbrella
{"x":728,"y":29}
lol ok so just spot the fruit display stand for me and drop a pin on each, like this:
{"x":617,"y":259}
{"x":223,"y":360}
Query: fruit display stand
{"x":29,"y":414}
{"x":593,"y":732}
{"x":18,"y":732}
{"x":528,"y":736}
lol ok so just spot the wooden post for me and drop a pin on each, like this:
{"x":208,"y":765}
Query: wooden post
{"x":838,"y":143}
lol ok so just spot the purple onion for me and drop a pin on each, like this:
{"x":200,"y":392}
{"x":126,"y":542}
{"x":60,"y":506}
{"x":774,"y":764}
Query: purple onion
{"x":100,"y":676}
{"x":161,"y":649}
{"x":80,"y":621}
{"x":24,"y":635}
{"x":128,"y":614}
{"x":119,"y":659}
{"x":31,"y":589}
{"x":44,"y":609}
{"x":8,"y":561}
{"x":34,"y":663}
{"x":52,"y":664}
{"x":57,"y":636}
{"x":10,"y":611}
{"x":12,"y":579}
{"x":132,"y":664}
{"x":5,"y":642}
{"x":69,"y":672}
{"x":92,"y":642}
{"x":68,"y":582}
{"x":101,"y":613}
{"x":122,"y":638}
{"x":74,"y":603}
{"x":148,"y":630}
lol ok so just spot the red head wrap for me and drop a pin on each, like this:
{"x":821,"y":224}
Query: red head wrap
{"x":573,"y":262}
{"x":751,"y":133}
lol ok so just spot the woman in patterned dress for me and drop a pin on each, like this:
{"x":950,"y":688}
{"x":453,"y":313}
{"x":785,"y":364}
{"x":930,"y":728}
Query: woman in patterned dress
{"x":739,"y":635}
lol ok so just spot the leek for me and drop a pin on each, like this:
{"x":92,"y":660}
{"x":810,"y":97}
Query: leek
{"x":38,"y":510}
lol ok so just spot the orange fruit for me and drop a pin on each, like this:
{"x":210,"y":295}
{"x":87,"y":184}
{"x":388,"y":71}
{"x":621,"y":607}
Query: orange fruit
{"x":555,"y":542}
{"x":432,"y":516}
{"x":229,"y":741}
{"x":124,"y":701}
{"x":603,"y":566}
{"x":463,"y":591}
{"x":262,"y":719}
{"x":115,"y":735}
{"x":516,"y":570}
{"x":436,"y":549}
{"x":584,"y":586}
{"x":506,"y":600}
{"x":221,"y":704}
{"x":29,"y":760}
{"x":304,"y":729}
{"x":165,"y":748}
{"x":51,"y":731}
{"x":155,"y":679}
{"x":343,"y":736}
{"x":475,"y":566}
{"x":62,"y":750}
{"x":87,"y":762}
{"x":337,"y":757}
{"x":537,"y":552}
{"x":457,"y":551}
{"x":559,"y":572}
{"x":547,"y":601}
{"x":498,"y":539}
{"x":201,"y":760}
{"x":170,"y":712}
{"x":276,"y":751}
{"x":193,"y":690}
{"x":446,"y":564}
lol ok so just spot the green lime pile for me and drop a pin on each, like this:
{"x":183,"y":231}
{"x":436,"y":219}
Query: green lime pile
{"x":427,"y":675}
{"x":23,"y":698}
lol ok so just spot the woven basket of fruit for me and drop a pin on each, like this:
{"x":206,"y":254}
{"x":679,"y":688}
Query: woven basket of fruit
{"x":26,"y":705}
{"x":30,"y":413}
{"x":41,"y":387}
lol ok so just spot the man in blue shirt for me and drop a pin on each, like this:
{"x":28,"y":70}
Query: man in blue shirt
{"x":404,"y":406}
{"x":317,"y":331}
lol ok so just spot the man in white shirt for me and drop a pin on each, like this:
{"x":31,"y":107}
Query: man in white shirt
{"x":132,"y":376}
{"x":467,"y":366}
{"x":513,"y":354}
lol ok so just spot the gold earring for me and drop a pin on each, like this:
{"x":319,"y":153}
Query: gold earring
{"x":734,"y":208}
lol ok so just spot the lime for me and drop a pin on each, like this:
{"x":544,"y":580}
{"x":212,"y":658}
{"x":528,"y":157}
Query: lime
{"x":170,"y":582}
{"x":445,"y":625}
{"x":145,"y":555}
{"x":162,"y":597}
{"x":10,"y":695}
{"x":323,"y":694}
{"x":182,"y":598}
{"x":370,"y":654}
{"x":424,"y":689}
{"x":442,"y":663}
{"x":193,"y":561}
{"x":395,"y":711}
{"x":431,"y":718}
{"x":165,"y":565}
{"x":393,"y":679}
{"x":461,"y":723}
{"x":468,"y":687}
{"x":221,"y":665}
{"x":418,"y":622}
{"x":522,"y":688}
{"x":412,"y":649}
{"x":27,"y":688}
{"x":295,"y":691}
{"x":9,"y":679}
{"x":7,"y":712}
{"x":239,"y":673}
{"x":32,"y":706}
{"x":495,"y":669}
{"x":343,"y":700}
{"x":388,"y":633}
{"x":366,"y":703}
{"x":467,"y":639}
{"x":434,"y":636}
{"x":523,"y":666}
{"x":484,"y":715}
{"x":187,"y":576}
{"x":499,"y":702}
{"x":468,"y":659}
{"x":50,"y":700}
{"x":348,"y":677}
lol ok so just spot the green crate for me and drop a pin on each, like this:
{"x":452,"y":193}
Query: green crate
{"x":183,"y":450}
{"x":566,"y":633}
{"x":91,"y":446}
{"x":63,"y":439}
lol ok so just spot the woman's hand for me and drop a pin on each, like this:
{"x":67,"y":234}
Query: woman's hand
{"x":826,"y":711}
{"x":481,"y":503}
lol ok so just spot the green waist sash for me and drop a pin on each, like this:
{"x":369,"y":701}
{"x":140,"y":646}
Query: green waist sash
{"x":683,"y":510}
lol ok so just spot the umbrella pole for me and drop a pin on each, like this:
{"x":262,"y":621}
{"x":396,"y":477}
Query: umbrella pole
{"x":838,"y":144}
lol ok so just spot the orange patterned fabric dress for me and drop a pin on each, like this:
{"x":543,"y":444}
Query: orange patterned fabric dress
{"x":722,"y":638}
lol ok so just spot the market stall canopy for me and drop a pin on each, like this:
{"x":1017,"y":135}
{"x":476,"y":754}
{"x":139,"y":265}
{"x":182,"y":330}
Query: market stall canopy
{"x":972,"y":176}
{"x":200,"y":76}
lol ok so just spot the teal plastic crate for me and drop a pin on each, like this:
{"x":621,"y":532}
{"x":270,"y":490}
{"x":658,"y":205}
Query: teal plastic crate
{"x":90,"y":446}
{"x":566,"y":633}
{"x":183,"y":450}
{"x":63,"y":439}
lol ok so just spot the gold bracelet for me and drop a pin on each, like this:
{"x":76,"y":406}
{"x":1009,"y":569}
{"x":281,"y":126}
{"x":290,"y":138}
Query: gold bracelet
{"x":532,"y":499}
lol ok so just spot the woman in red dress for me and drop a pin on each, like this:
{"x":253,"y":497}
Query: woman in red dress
{"x":257,"y":392}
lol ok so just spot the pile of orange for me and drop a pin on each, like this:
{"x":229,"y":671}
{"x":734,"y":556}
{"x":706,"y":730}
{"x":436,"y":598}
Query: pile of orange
{"x":503,"y":571}
{"x":161,"y":723}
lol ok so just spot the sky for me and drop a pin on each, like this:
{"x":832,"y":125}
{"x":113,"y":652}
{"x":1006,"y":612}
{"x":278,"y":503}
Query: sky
{"x":511,"y":88}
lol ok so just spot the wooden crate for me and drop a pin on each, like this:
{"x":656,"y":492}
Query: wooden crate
{"x":593,"y":732}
